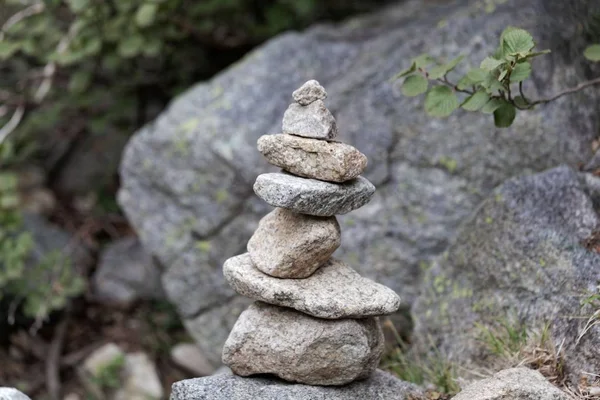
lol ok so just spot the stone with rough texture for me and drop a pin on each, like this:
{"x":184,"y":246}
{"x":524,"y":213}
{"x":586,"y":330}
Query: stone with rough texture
{"x":7,"y":393}
{"x":126,"y":273}
{"x":380,"y":385}
{"x":189,"y":174}
{"x":512,"y":384}
{"x":311,"y":158}
{"x":140,"y":379}
{"x":268,"y":339}
{"x":308,"y":93}
{"x":311,"y":121}
{"x":521,"y":257}
{"x":334,"y":291}
{"x":292,"y":245}
{"x":189,"y":357}
{"x":313,"y":197}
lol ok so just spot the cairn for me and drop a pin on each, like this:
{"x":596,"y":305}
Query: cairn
{"x":315,"y":319}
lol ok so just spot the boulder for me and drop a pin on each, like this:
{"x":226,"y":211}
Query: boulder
{"x":526,"y":259}
{"x":268,"y":339}
{"x":189,"y":357}
{"x":7,"y":393}
{"x":334,"y":291}
{"x":380,"y":385}
{"x":126,"y":272}
{"x":187,"y":177}
{"x":313,"y":197}
{"x":292,"y":245}
{"x":513,"y":384}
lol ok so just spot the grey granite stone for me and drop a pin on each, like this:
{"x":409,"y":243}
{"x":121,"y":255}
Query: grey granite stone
{"x":312,"y":121}
{"x":334,"y":291}
{"x":313,"y":197}
{"x":309,"y":92}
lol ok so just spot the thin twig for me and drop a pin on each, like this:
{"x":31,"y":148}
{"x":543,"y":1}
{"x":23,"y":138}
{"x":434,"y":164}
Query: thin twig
{"x":21,"y":15}
{"x":53,"y":359}
{"x":577,"y":88}
{"x":12,"y":124}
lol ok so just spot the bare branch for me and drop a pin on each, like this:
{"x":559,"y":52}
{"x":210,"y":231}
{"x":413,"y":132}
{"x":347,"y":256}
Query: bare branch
{"x":20,"y":16}
{"x":574,"y":89}
{"x":12,"y":124}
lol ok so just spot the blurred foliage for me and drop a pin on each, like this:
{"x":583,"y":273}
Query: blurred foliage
{"x":496,"y":87}
{"x":110,"y":65}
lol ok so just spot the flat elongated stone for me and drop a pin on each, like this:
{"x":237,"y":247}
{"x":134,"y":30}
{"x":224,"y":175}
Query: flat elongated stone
{"x":334,"y":291}
{"x":296,"y":347}
{"x":313,"y":121}
{"x":313,"y":197}
{"x":308,"y":93}
{"x":380,"y":385}
{"x":291,"y":245}
{"x":312,"y":158}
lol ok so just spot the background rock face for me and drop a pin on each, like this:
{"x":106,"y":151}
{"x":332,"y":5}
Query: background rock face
{"x":521,"y":257}
{"x":380,"y":385}
{"x":187,"y":178}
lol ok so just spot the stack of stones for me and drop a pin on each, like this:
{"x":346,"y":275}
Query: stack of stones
{"x":315,"y":319}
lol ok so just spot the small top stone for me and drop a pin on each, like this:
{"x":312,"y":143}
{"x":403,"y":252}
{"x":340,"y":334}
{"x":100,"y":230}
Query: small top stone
{"x":309,"y":92}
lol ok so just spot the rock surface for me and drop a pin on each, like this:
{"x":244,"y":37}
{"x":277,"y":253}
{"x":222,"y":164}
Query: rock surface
{"x":380,"y":385}
{"x":312,"y":158}
{"x":309,"y":92}
{"x":189,"y":174}
{"x":126,"y":272}
{"x":521,"y":257}
{"x":313,"y":197}
{"x":101,"y":358}
{"x":274,"y":340}
{"x":7,"y":393}
{"x":189,"y":357}
{"x":140,"y":379}
{"x":513,"y":384}
{"x":334,"y":291}
{"x":311,"y":121}
{"x":291,"y":245}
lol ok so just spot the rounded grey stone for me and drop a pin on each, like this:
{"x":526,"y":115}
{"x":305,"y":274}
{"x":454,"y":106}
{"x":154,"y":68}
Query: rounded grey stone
{"x":334,"y":291}
{"x":296,"y":347}
{"x":380,"y":385}
{"x":310,"y":92}
{"x":313,"y":197}
{"x":313,"y":121}
{"x":291,"y":245}
{"x":312,"y":158}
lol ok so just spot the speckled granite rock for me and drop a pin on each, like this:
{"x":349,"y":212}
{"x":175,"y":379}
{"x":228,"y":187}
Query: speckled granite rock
{"x":309,"y":92}
{"x":311,"y":121}
{"x":313,"y":197}
{"x":380,"y":385}
{"x":312,"y":158}
{"x":512,"y":384}
{"x":269,"y":339}
{"x":7,"y":393}
{"x":291,"y":245}
{"x":334,"y":291}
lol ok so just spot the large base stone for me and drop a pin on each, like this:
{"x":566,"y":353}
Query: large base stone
{"x":274,"y":340}
{"x":380,"y":385}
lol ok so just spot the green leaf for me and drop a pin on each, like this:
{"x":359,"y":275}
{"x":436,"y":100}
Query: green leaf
{"x":502,"y":75}
{"x":592,"y":52}
{"x":520,"y":102}
{"x":130,"y":46}
{"x":78,"y":5}
{"x":7,"y":49}
{"x":80,"y":81}
{"x":146,"y":14}
{"x":517,"y":42}
{"x":477,"y":75}
{"x":492,"y":105}
{"x":406,"y":71}
{"x":441,"y":70}
{"x":537,"y":53}
{"x":414,"y":85}
{"x":504,"y":115}
{"x":440,"y":101}
{"x":465,"y":83}
{"x":491,"y":83}
{"x":153,"y":47}
{"x":489,"y":64}
{"x":520,"y":72}
{"x":423,"y":60}
{"x":476,"y":101}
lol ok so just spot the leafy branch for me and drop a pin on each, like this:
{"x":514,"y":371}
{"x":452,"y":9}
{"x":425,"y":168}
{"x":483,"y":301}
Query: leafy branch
{"x":496,"y":87}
